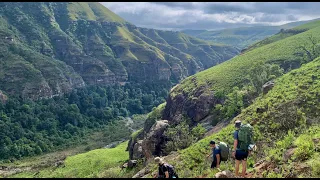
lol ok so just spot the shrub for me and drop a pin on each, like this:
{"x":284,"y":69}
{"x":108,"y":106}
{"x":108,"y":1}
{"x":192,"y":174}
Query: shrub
{"x":316,"y":168}
{"x":305,"y":147}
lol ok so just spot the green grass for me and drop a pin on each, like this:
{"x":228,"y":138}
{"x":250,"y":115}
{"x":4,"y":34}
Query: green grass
{"x":90,"y":164}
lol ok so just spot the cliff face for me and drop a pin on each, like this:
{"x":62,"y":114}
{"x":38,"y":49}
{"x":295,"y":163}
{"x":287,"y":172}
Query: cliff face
{"x":68,"y":45}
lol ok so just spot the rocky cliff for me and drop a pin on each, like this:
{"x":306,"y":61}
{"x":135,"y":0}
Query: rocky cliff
{"x":67,"y":45}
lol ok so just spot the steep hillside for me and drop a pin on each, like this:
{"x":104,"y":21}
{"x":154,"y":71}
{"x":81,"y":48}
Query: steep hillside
{"x":286,"y":120}
{"x":68,"y":45}
{"x":241,"y":37}
{"x":218,"y":94}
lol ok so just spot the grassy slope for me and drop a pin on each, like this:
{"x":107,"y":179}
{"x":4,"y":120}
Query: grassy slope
{"x":280,"y":36}
{"x":90,"y":164}
{"x":271,"y":127}
{"x":232,"y":73}
{"x":96,"y":163}
{"x":92,"y":11}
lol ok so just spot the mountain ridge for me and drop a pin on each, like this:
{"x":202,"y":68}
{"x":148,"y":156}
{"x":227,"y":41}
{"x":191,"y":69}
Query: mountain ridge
{"x":99,"y":47}
{"x":244,"y":36}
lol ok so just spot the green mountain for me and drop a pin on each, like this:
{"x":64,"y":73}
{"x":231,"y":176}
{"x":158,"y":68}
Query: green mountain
{"x":50,"y":48}
{"x":285,"y":121}
{"x":241,"y":37}
{"x":274,"y":85}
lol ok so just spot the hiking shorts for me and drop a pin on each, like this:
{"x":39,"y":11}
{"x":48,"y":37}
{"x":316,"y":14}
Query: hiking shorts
{"x":241,"y":155}
{"x":214,"y":164}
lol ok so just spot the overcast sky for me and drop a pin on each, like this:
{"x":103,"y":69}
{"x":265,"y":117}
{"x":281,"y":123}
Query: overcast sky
{"x":212,"y":15}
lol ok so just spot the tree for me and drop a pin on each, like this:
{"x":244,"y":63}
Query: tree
{"x":310,"y":48}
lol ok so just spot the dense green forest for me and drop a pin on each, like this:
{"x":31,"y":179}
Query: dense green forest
{"x":32,"y":127}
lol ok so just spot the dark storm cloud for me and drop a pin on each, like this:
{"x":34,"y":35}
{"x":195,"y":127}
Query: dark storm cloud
{"x":212,"y":15}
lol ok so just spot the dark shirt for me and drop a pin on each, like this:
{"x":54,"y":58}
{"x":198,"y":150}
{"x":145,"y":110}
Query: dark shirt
{"x":235,"y":136}
{"x":216,"y":151}
{"x":162,"y":170}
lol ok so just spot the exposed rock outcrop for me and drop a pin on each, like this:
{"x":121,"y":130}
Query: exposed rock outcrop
{"x":3,"y":97}
{"x":267,"y":87}
{"x":137,"y":152}
{"x":154,"y":139}
{"x":196,"y":108}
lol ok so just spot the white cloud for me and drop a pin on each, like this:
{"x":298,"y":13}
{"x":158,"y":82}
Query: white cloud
{"x":212,"y":15}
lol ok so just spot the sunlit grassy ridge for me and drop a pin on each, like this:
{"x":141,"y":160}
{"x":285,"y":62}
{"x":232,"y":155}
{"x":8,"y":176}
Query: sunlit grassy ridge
{"x":233,"y":72}
{"x":91,"y":11}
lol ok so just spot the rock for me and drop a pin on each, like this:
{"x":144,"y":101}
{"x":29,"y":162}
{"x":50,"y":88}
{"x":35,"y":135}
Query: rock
{"x":142,"y":173}
{"x":287,"y":155}
{"x":123,"y":166}
{"x":276,"y":170}
{"x":302,"y":167}
{"x":260,"y":110}
{"x":316,"y":140}
{"x":196,"y":108}
{"x":135,"y":147}
{"x":3,"y":97}
{"x":58,"y":163}
{"x":267,"y":87}
{"x":262,"y":166}
{"x":132,"y":163}
{"x":258,"y":163}
{"x":224,"y":174}
{"x":154,"y":139}
{"x":137,"y":152}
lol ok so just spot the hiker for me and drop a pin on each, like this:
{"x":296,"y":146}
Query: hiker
{"x":240,"y":147}
{"x":165,"y":170}
{"x":216,"y":152}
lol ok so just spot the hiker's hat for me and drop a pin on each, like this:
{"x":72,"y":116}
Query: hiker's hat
{"x":237,"y":123}
{"x":158,"y":160}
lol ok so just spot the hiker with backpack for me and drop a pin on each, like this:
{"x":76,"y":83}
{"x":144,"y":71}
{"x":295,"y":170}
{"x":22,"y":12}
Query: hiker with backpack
{"x":165,"y":170}
{"x":243,"y":141}
{"x":216,"y":153}
{"x":220,"y":153}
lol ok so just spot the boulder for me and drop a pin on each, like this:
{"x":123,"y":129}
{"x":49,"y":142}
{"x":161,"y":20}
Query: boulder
{"x":135,"y":147}
{"x":154,"y":138}
{"x":224,"y":174}
{"x":267,"y":87}
{"x":123,"y":166}
{"x":137,"y":152}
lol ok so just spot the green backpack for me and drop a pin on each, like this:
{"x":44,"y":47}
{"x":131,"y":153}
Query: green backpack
{"x":245,"y":136}
{"x":225,"y":151}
